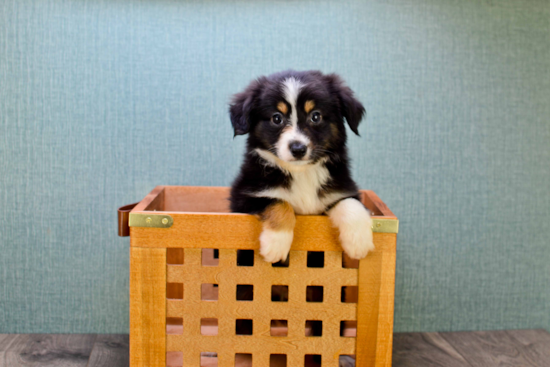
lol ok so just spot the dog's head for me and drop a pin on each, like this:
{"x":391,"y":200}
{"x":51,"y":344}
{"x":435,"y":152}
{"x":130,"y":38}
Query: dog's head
{"x":294,"y":117}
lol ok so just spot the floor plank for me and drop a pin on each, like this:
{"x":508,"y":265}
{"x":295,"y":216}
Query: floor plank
{"x":460,"y":349}
{"x":6,"y":340}
{"x":110,"y":350}
{"x":534,"y":345}
{"x":48,"y":350}
{"x":424,"y":349}
{"x":489,"y":348}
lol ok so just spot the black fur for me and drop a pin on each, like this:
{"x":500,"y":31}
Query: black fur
{"x":251,"y":112}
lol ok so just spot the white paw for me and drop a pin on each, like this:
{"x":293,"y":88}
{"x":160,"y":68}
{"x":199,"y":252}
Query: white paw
{"x":355,"y":226}
{"x":275,"y":245}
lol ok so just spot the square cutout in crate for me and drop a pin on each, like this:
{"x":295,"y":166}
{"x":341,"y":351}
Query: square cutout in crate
{"x":314,"y":293}
{"x":277,"y":360}
{"x":210,"y":257}
{"x":350,"y":294}
{"x":279,"y":328}
{"x":209,"y":292}
{"x":348,"y":262}
{"x":312,"y":360}
{"x":315,"y":259}
{"x":243,"y":327}
{"x":174,"y":290}
{"x":174,"y":359}
{"x":243,"y":360}
{"x":314,"y":328}
{"x":209,"y":326}
{"x":245,"y":292}
{"x":174,"y":256}
{"x":348,"y":328}
{"x":279,"y":293}
{"x":245,"y":257}
{"x":209,"y":359}
{"x":347,"y":360}
{"x":174,"y":325}
{"x":282,"y":264}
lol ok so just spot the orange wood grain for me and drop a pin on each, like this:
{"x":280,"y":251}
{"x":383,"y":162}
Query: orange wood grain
{"x":375,"y":306}
{"x":296,"y":311}
{"x":375,"y":204}
{"x":153,"y":201}
{"x":202,"y":221}
{"x":147,"y":307}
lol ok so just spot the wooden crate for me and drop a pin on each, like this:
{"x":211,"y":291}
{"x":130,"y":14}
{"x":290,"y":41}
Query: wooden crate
{"x":180,"y":293}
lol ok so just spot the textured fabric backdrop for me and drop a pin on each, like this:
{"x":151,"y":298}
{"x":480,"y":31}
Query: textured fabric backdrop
{"x":102,"y":100}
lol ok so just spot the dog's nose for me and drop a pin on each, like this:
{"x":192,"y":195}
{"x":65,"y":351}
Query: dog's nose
{"x":297,"y":149}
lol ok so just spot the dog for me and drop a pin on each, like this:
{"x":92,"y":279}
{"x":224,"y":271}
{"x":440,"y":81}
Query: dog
{"x":296,"y":160}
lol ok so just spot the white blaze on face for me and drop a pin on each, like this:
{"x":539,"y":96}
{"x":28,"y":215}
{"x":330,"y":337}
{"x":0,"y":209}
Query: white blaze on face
{"x":291,"y":90}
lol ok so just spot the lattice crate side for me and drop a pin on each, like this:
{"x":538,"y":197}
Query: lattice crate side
{"x":149,"y":341}
{"x":262,"y":310}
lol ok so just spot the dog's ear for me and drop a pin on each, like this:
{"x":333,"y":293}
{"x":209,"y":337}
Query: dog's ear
{"x":352,"y":110}
{"x":241,"y":108}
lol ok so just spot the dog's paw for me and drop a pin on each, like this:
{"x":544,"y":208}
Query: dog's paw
{"x":355,"y":226}
{"x":347,"y":361}
{"x":356,"y":238}
{"x":275,"y":245}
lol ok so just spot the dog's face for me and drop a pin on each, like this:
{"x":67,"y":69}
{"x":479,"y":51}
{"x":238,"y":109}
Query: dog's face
{"x":296,"y":118}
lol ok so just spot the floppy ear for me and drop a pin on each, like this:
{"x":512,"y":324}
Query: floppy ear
{"x":351,"y":108}
{"x":241,"y":107}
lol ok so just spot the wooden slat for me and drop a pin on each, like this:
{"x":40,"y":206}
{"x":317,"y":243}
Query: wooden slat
{"x":48,"y":350}
{"x":426,"y":350}
{"x":235,"y":231}
{"x":279,"y":310}
{"x":384,"y":339}
{"x":375,"y":204}
{"x":489,"y":348}
{"x":153,"y":201}
{"x":147,"y":307}
{"x":197,"y":199}
{"x":110,"y":350}
{"x":375,"y":306}
{"x":245,"y":274}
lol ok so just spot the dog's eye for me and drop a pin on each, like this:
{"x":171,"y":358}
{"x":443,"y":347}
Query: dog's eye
{"x":316,"y":117}
{"x":277,"y":119}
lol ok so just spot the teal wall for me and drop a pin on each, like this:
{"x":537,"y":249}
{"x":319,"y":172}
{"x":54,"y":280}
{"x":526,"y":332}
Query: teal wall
{"x":102,"y":100}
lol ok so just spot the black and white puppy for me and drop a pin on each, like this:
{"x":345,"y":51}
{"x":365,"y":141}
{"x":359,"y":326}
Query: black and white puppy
{"x":296,"y":160}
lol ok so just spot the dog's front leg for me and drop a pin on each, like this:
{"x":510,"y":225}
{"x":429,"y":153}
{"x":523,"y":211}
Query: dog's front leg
{"x":278,"y":222}
{"x":355,"y":225}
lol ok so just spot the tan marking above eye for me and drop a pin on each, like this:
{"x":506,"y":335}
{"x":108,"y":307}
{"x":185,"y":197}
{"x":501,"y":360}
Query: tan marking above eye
{"x":281,"y":106}
{"x":334,"y":130}
{"x":309,"y":106}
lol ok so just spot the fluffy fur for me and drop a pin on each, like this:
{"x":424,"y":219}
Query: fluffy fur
{"x":296,"y":160}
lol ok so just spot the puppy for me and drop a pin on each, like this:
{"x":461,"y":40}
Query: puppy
{"x":296,"y":160}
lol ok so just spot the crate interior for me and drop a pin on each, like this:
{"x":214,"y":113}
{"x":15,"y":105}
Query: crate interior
{"x":211,"y":200}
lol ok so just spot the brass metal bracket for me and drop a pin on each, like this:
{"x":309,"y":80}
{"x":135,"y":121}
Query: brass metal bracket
{"x":382,"y":225}
{"x":150,"y":220}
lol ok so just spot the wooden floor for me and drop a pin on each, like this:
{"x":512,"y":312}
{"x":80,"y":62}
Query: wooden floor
{"x":475,"y":349}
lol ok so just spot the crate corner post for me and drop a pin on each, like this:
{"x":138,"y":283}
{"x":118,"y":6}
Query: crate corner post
{"x":375,"y":309}
{"x":147,"y":307}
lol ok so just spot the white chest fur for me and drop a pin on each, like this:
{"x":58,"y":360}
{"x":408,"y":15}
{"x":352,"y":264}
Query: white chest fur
{"x":303,"y":193}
